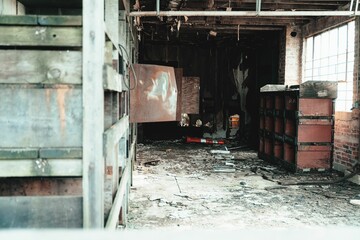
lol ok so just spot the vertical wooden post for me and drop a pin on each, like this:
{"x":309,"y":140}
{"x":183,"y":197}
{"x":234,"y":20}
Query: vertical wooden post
{"x":93,"y":113}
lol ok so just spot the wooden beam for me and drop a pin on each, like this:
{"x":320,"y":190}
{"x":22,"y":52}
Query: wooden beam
{"x":93,"y":117}
{"x":60,"y":153}
{"x":35,"y":20}
{"x":40,"y":167}
{"x":40,"y":36}
{"x":18,"y":153}
{"x":113,"y":134}
{"x":44,"y":67}
{"x":41,"y":212}
{"x":120,"y":194}
{"x":112,"y":80}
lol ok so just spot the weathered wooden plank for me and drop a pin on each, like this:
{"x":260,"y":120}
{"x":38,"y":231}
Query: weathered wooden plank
{"x":60,"y":153}
{"x":18,"y":153}
{"x":18,"y":20}
{"x":120,"y":195}
{"x":38,"y":118}
{"x":41,"y":212}
{"x":35,"y":20}
{"x":93,"y":108}
{"x":40,"y":36}
{"x":318,"y":89}
{"x":59,"y":20}
{"x":113,"y":134}
{"x":112,"y":80}
{"x":40,"y":186}
{"x":40,"y":167}
{"x":29,"y":66}
{"x":112,"y":20}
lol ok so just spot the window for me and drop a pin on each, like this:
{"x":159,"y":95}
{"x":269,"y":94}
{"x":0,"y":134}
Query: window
{"x":329,"y":56}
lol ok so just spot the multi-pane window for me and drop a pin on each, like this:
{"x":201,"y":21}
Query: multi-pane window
{"x":329,"y":56}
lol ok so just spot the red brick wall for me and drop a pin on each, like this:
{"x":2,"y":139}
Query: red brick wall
{"x":347,"y":127}
{"x":346,"y":140}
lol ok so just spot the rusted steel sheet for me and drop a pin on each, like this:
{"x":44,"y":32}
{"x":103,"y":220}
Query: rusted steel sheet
{"x":315,"y":107}
{"x":154,"y":98}
{"x":314,"y":157}
{"x":190,"y":95}
{"x":314,"y":130}
{"x":179,"y":76}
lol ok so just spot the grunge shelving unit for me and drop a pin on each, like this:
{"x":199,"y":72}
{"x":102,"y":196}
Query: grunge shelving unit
{"x":297,"y":125}
{"x":66,"y":145}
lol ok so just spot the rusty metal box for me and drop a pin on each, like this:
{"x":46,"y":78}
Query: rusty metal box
{"x":269,"y":102}
{"x":315,"y":130}
{"x":314,"y":157}
{"x":269,"y":123}
{"x":268,"y":146}
{"x":290,"y":127}
{"x":278,"y":149}
{"x":261,"y":123}
{"x":279,"y":102}
{"x":279,"y":125}
{"x":315,"y":107}
{"x":289,"y":153}
{"x":291,"y":102}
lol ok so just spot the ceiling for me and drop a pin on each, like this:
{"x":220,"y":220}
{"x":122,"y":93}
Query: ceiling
{"x":231,"y":24}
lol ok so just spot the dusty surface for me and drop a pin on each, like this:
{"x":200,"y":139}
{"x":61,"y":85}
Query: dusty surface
{"x":181,"y":189}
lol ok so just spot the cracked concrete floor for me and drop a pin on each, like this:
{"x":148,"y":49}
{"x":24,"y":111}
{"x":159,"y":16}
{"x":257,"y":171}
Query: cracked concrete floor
{"x":176,"y":185}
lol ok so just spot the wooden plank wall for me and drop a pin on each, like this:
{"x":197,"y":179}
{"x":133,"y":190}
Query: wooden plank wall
{"x":66,"y":137}
{"x":41,"y":121}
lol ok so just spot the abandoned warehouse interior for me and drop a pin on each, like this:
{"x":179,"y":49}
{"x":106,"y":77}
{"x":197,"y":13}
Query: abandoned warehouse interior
{"x":178,"y":113}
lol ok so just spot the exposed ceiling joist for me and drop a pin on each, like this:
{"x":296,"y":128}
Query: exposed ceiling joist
{"x":244,"y":13}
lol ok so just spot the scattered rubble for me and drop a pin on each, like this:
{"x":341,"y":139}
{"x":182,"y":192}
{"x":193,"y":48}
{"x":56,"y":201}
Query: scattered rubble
{"x":192,"y":187}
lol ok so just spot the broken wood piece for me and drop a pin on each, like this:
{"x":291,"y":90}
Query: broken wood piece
{"x":275,"y":187}
{"x":224,"y":170}
{"x":219,"y":152}
{"x":355,"y":202}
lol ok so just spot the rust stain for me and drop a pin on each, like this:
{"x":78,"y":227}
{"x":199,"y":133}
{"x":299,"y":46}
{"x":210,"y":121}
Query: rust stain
{"x":60,"y":99}
{"x":48,"y":99}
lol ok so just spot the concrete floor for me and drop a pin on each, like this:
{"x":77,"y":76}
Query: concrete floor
{"x":183,"y":189}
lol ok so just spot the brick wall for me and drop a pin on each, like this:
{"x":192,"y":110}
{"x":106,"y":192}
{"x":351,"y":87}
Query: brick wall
{"x":347,"y":125}
{"x":346,"y":140}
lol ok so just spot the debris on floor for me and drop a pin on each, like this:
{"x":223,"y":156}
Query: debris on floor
{"x":193,"y":187}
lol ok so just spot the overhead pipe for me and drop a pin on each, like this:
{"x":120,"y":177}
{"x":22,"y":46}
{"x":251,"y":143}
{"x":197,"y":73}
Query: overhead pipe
{"x":242,"y":13}
{"x":157,"y":7}
{"x":356,"y":7}
{"x":258,"y":6}
{"x":351,"y":5}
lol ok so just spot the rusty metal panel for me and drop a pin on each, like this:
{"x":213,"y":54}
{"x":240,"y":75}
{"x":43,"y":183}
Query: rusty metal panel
{"x":155,"y":97}
{"x":278,"y":149}
{"x":190,"y":95}
{"x":315,"y":131}
{"x":33,"y":117}
{"x":289,"y":153}
{"x":315,"y":107}
{"x":179,"y":75}
{"x":314,"y":157}
{"x":290,"y":127}
{"x":279,"y":125}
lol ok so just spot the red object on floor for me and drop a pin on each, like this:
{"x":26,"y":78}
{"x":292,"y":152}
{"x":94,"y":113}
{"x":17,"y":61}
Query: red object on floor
{"x":204,"y":140}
